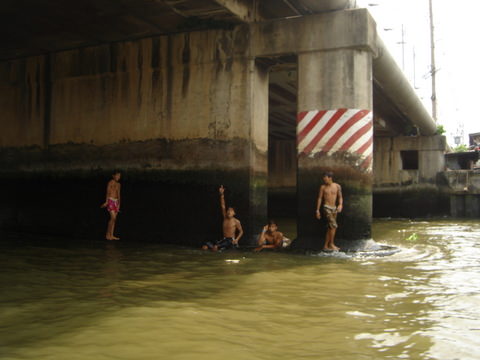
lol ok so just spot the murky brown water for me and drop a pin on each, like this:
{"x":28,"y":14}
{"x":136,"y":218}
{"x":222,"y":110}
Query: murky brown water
{"x":118,"y":301}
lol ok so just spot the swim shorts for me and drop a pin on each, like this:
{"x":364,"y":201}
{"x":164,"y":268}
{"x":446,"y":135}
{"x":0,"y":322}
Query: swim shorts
{"x":331,"y":216}
{"x":112,"y":205}
{"x":223,"y":244}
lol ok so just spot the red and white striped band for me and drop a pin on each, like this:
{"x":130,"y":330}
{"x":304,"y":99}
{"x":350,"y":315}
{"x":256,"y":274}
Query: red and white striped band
{"x":340,"y":130}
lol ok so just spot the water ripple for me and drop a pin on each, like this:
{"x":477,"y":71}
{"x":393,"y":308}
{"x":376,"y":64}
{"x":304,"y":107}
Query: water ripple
{"x":141,"y":302}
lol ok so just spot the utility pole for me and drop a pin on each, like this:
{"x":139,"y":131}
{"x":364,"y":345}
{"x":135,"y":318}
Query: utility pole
{"x":433,"y":69}
{"x":414,"y":69}
{"x":403,"y":48}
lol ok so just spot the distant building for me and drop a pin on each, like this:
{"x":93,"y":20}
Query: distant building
{"x":474,"y":139}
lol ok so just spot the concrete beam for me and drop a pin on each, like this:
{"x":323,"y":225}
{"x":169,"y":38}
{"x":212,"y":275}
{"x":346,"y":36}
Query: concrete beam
{"x":239,"y":8}
{"x":351,"y":29}
{"x":329,"y":5}
{"x":397,"y":88}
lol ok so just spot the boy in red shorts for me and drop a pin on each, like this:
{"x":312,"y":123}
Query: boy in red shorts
{"x":112,"y":203}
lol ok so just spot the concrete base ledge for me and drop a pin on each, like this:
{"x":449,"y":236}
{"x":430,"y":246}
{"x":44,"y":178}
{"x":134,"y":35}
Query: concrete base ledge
{"x":176,"y":207}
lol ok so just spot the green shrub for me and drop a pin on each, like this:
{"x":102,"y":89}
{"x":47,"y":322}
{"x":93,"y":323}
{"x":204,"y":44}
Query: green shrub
{"x":440,"y":130}
{"x":460,"y":148}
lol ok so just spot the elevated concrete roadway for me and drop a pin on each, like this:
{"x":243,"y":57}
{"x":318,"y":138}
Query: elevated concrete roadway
{"x":34,"y":27}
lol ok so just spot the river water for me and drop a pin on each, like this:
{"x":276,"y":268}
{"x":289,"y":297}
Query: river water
{"x":91,"y":300}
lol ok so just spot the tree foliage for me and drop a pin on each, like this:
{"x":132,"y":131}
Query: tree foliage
{"x":460,"y":148}
{"x":440,"y":129}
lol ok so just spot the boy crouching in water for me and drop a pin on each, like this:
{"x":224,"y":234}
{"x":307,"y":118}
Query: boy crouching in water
{"x":270,"y":237}
{"x":230,"y":227}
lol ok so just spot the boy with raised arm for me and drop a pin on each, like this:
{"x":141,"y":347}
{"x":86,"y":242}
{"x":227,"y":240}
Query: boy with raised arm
{"x":330,"y":200}
{"x":112,"y":203}
{"x":230,"y":226}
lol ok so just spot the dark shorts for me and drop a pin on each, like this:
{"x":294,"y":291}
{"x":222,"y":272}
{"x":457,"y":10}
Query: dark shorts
{"x":331,"y":216}
{"x":223,"y":244}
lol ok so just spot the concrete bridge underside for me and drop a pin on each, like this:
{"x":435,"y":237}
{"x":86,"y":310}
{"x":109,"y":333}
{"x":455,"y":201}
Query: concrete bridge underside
{"x":185,"y":95}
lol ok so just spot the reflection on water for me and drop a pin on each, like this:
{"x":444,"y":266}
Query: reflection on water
{"x":125,"y":301}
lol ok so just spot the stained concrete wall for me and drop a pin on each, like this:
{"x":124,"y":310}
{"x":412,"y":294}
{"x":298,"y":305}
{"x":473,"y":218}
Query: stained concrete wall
{"x":282,"y":178}
{"x":400,"y":192}
{"x":22,"y":102}
{"x":178,"y":115}
{"x":465,"y":192}
{"x":465,"y":205}
{"x":464,"y":181}
{"x":133,"y":91}
{"x":282,"y":163}
{"x":388,"y":160}
{"x":138,"y":90}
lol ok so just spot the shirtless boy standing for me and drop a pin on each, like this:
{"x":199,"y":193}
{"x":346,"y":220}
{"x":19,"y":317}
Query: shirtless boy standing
{"x":112,"y":203}
{"x":270,"y":238}
{"x":329,"y":195}
{"x":230,"y":227}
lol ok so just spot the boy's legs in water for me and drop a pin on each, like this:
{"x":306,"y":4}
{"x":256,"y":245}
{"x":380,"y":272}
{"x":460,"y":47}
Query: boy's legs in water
{"x":111,"y":226}
{"x":210,"y":246}
{"x":329,"y":238}
{"x":331,"y":216}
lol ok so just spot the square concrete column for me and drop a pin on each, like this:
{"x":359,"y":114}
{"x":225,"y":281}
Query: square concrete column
{"x":335,"y":133}
{"x":257,"y":119}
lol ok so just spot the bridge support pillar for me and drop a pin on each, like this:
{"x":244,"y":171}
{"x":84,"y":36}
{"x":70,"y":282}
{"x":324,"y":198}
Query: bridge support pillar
{"x":335,"y":133}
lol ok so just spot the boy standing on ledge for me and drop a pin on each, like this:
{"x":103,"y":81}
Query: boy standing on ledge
{"x":329,"y":195}
{"x":230,"y":227}
{"x":112,"y":203}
